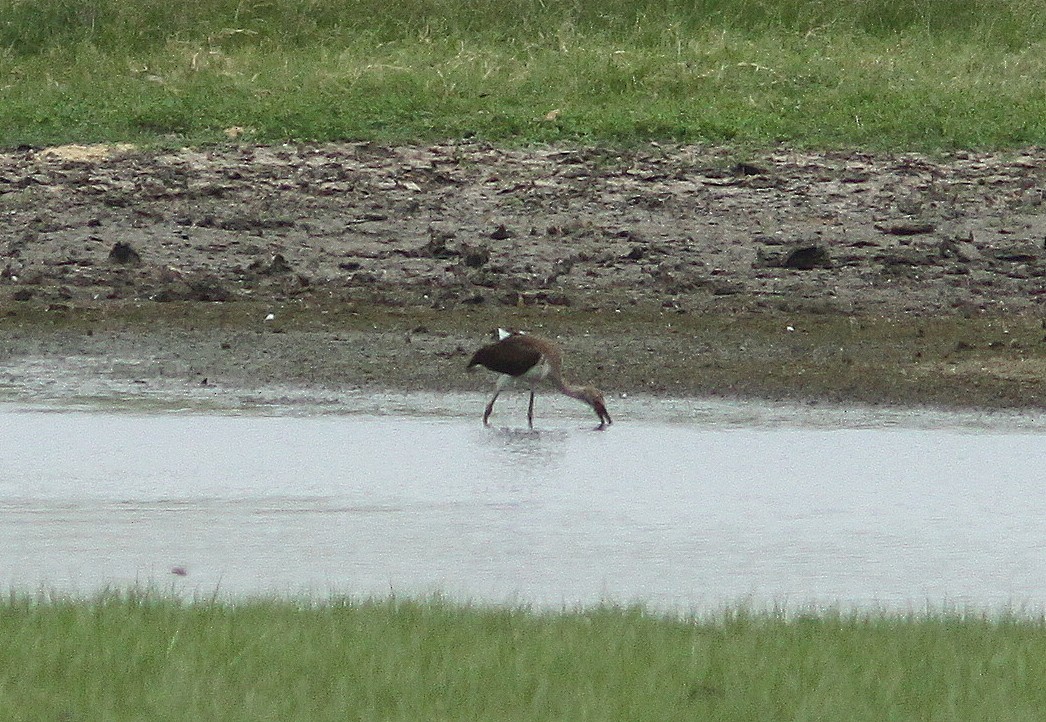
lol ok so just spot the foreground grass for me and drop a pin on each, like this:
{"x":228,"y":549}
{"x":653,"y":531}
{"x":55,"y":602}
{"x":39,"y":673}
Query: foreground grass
{"x":135,"y":655}
{"x":878,"y":74}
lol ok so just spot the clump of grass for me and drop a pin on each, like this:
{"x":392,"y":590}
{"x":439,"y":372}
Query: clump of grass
{"x":956,"y":73}
{"x":134,"y":655}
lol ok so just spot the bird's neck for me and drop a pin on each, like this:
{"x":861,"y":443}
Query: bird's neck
{"x":569,"y":389}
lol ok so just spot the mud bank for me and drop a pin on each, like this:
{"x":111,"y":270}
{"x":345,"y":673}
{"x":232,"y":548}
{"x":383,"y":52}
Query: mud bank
{"x":683,"y":270}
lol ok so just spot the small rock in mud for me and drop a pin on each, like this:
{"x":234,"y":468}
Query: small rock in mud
{"x":908,"y":229}
{"x":437,"y":247}
{"x":959,"y":249}
{"x":475,"y":256}
{"x":636,"y":254}
{"x":800,"y":258}
{"x":1018,"y":253}
{"x":501,"y":233}
{"x":905,"y":257}
{"x":278,"y":265}
{"x":806,"y":258}
{"x":122,"y":252}
{"x":743,"y":169}
{"x":209,"y":291}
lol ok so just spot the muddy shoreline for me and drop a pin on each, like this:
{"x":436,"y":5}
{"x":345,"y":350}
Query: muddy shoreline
{"x":674,"y":271}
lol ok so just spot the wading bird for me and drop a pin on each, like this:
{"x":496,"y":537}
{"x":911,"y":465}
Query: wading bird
{"x":532,"y":359}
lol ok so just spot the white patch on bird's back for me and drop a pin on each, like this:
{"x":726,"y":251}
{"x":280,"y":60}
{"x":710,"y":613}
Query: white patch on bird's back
{"x":538,"y":371}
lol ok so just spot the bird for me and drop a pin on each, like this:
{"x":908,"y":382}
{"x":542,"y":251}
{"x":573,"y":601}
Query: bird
{"x":517,"y":355}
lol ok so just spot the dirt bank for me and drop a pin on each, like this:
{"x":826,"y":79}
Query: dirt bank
{"x":672,"y":270}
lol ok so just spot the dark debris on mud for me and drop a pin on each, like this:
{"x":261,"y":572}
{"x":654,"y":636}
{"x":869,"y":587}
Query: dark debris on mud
{"x":685,"y":228}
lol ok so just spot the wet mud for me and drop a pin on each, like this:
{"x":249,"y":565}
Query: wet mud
{"x":670,"y":270}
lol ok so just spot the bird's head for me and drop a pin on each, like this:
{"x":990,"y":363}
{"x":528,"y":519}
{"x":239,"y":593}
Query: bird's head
{"x":594,"y":398}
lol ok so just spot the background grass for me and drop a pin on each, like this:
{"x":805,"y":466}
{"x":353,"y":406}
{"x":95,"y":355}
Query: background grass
{"x":124,"y":656}
{"x":877,"y":74}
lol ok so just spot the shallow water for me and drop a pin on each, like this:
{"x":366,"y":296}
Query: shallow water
{"x":680,"y":505}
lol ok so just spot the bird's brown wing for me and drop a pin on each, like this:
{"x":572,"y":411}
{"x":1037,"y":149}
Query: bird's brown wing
{"x":513,"y":356}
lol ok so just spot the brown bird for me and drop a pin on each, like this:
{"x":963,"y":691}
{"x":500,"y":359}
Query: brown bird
{"x":532,"y":359}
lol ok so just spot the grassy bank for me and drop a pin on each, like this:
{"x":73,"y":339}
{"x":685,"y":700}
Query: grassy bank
{"x":145,"y":656}
{"x":886,"y":74}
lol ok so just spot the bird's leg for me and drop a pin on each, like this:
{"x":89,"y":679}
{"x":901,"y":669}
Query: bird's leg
{"x":499,"y":386}
{"x":530,"y":410}
{"x":490,"y":406}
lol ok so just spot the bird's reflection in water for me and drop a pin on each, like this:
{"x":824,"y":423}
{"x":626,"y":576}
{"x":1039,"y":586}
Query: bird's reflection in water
{"x":528,"y":447}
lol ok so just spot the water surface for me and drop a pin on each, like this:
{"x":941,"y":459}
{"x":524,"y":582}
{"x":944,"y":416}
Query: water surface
{"x":680,"y":505}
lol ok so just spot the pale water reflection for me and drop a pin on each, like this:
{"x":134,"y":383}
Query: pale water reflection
{"x":779,"y":506}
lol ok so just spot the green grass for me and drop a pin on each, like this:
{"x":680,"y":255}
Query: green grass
{"x":876,"y":74}
{"x":141,"y":655}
